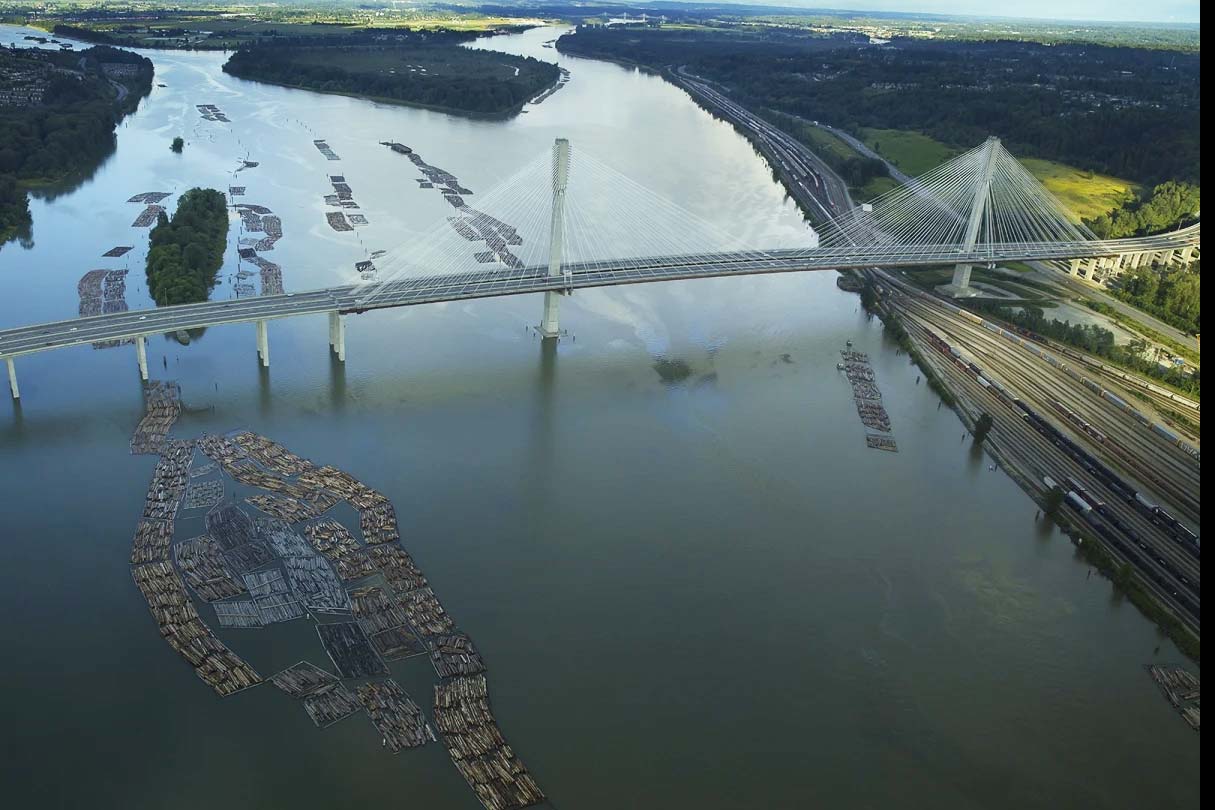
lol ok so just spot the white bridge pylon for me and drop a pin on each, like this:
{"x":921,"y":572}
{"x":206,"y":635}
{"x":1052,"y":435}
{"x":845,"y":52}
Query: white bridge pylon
{"x":978,"y":202}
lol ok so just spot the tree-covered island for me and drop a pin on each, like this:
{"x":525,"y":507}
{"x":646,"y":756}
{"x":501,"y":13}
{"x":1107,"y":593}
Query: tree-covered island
{"x":188,"y":250}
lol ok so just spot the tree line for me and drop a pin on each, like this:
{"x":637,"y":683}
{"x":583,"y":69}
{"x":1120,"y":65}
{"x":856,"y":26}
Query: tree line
{"x":456,"y":78}
{"x":70,"y":132}
{"x":187,"y":251}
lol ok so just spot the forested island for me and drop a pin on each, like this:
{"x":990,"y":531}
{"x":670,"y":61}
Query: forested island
{"x":59,"y":118}
{"x":187,"y":251}
{"x":429,"y":70}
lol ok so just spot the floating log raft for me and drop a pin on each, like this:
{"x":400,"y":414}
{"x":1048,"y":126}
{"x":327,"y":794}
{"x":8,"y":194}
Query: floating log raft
{"x":147,"y":217}
{"x":265,"y":583}
{"x":203,"y":566}
{"x":204,"y":495}
{"x":240,"y":613}
{"x":324,"y":149}
{"x":115,"y":252}
{"x":1182,"y":689}
{"x":271,"y":454}
{"x":204,"y":469}
{"x":152,"y":538}
{"x":236,"y":191}
{"x":337,"y":221}
{"x":285,"y":542}
{"x":881,"y":442}
{"x":399,"y":569}
{"x":375,"y":610}
{"x":248,"y":557}
{"x":394,"y":714}
{"x":477,"y":747}
{"x":149,"y":197}
{"x":162,"y":407}
{"x":330,"y":704}
{"x":288,"y":509}
{"x":379,"y":524}
{"x":396,"y":643}
{"x":868,"y":398}
{"x":169,"y":480}
{"x":278,"y":608}
{"x":339,"y":546}
{"x":302,"y":679}
{"x":230,"y":526}
{"x":350,"y":651}
{"x":425,"y":613}
{"x":454,"y":655}
{"x":313,"y":582}
{"x":181,"y":627}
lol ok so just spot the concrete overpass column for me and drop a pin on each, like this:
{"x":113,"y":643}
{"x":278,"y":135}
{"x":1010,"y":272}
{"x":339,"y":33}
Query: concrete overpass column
{"x":1187,"y":254}
{"x":1073,"y":266}
{"x":141,"y":352}
{"x":263,"y":344}
{"x":12,"y":378}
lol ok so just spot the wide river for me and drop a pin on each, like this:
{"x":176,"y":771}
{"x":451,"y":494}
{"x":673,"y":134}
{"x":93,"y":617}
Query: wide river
{"x":695,"y":593}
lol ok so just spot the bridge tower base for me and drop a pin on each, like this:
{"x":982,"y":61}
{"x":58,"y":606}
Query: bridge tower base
{"x":960,"y":287}
{"x":337,"y":335}
{"x":141,"y":352}
{"x":549,"y":325}
{"x":12,"y":378}
{"x":263,"y":344}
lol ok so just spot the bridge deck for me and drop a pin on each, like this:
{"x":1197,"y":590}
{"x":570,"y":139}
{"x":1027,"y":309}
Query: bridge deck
{"x":432,"y":289}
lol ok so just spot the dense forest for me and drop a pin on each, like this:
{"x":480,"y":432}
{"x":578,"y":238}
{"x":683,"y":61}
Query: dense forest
{"x":1172,"y":294}
{"x":1127,"y":112}
{"x":1167,"y":205}
{"x":70,"y":130}
{"x":187,"y":251}
{"x":428,"y":70}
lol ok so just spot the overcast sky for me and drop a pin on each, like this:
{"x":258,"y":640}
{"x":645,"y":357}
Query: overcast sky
{"x":1120,"y":10}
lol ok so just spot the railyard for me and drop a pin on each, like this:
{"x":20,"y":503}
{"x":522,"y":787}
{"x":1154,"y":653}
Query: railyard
{"x":1129,"y":484}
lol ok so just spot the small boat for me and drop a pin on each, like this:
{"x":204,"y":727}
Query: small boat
{"x":848,"y":344}
{"x":839,"y":366}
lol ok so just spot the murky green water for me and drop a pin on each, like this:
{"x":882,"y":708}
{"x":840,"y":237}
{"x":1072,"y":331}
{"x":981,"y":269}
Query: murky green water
{"x":706,"y":594}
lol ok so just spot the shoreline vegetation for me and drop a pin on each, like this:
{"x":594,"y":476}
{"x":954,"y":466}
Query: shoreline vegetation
{"x":65,"y":128}
{"x":427,"y":70}
{"x":187,"y":251}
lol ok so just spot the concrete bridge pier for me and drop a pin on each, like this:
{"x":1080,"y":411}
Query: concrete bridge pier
{"x":263,"y":344}
{"x":141,"y":352}
{"x":337,"y":335}
{"x":549,"y":327}
{"x":12,"y":378}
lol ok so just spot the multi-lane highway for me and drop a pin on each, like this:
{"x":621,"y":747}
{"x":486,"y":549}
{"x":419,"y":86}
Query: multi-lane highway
{"x":814,"y":185}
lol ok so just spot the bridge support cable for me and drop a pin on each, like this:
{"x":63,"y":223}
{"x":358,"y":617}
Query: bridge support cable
{"x":975,"y":207}
{"x":12,"y":378}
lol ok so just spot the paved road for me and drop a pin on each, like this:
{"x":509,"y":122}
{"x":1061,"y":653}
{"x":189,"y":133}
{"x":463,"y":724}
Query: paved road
{"x":815,"y":186}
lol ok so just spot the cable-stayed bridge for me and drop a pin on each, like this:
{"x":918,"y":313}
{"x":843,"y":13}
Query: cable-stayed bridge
{"x":979,"y":208}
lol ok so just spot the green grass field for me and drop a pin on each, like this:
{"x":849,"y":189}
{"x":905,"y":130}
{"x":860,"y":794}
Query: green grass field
{"x":1086,"y":194}
{"x":912,"y":152}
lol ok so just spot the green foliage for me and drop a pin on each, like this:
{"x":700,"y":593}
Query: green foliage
{"x":1173,"y":294}
{"x":1170,"y":204}
{"x":70,"y":133}
{"x":454,"y":78}
{"x":177,"y":145}
{"x":982,"y":427}
{"x":187,"y":251}
{"x":1054,"y":500}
